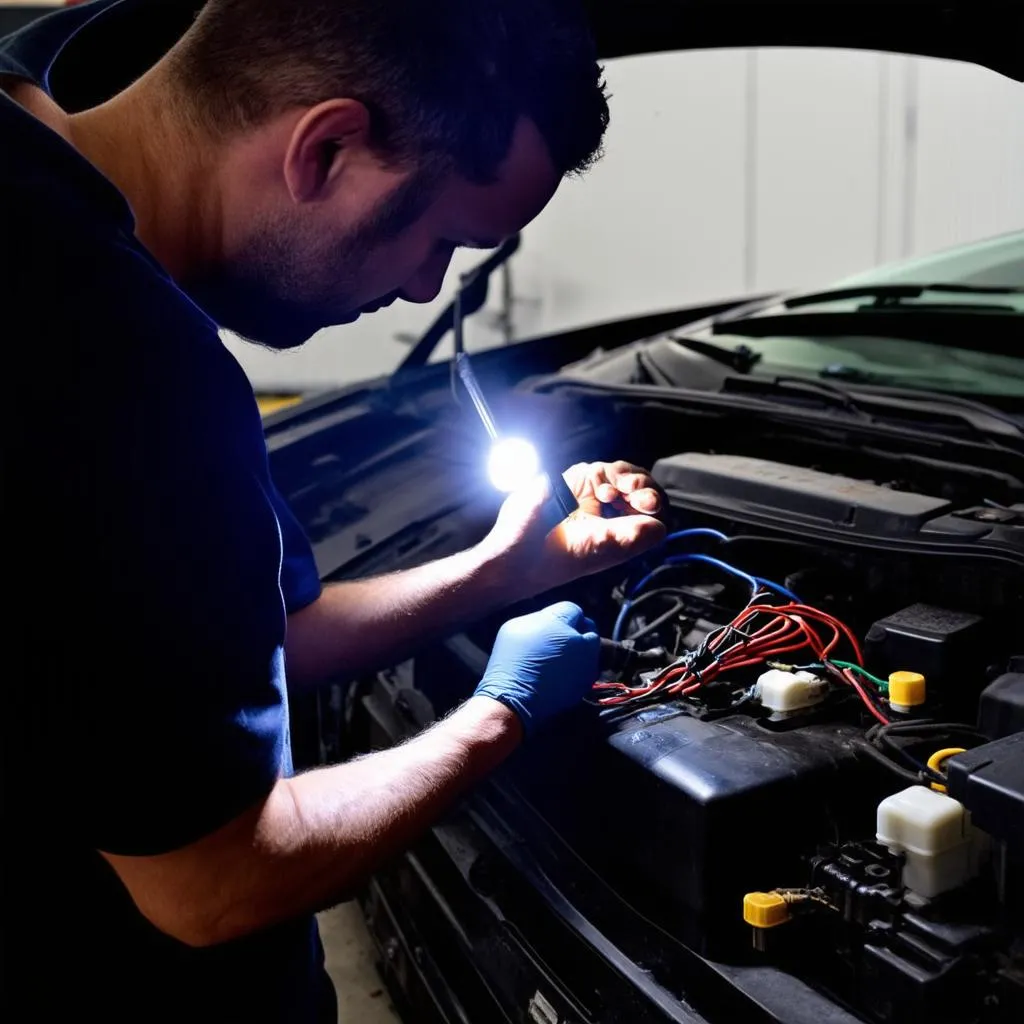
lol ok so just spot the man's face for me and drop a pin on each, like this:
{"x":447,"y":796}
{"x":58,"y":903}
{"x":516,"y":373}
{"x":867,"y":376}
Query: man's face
{"x":384,"y":236}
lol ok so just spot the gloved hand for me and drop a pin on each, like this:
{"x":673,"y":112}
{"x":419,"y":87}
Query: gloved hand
{"x":542,"y":664}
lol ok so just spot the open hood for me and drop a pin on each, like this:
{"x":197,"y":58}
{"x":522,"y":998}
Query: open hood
{"x":985,"y":32}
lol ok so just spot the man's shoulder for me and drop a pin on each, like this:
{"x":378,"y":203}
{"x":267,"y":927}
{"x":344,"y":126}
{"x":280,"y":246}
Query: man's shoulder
{"x":105,"y":338}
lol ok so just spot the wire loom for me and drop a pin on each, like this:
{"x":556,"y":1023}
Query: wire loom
{"x":760,"y":633}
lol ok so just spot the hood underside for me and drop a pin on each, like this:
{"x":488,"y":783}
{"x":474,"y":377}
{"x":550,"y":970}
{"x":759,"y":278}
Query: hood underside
{"x":985,"y":32}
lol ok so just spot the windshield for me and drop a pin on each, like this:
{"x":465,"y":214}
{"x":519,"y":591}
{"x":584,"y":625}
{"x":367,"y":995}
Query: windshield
{"x":884,"y":356}
{"x":993,"y":263}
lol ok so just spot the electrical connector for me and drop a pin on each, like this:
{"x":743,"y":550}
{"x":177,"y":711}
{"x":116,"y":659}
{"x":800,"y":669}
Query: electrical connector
{"x":784,"y":692}
{"x":765,"y":909}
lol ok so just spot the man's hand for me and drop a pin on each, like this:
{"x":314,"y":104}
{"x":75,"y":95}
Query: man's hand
{"x":361,"y":625}
{"x":542,"y":664}
{"x":535,"y":560}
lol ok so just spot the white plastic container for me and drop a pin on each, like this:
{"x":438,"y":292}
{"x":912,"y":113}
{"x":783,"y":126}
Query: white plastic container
{"x":934,"y":831}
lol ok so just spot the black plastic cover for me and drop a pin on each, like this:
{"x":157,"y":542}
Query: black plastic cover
{"x":989,"y":782}
{"x":946,"y":646}
{"x":802,"y":495}
{"x":687,"y":815}
{"x":1001,"y":709}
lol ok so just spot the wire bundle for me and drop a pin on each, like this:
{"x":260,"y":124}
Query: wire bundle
{"x":756,"y":583}
{"x":759,"y":633}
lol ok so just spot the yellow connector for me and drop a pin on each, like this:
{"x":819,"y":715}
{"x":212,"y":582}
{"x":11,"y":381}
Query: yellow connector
{"x":765,"y":909}
{"x":935,"y":763}
{"x":906,"y":690}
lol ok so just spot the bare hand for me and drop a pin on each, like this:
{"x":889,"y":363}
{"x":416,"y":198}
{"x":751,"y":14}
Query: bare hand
{"x":585,"y":543}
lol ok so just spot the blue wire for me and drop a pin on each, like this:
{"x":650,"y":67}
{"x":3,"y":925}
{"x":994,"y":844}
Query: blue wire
{"x":627,"y":605}
{"x":699,"y":531}
{"x":718,"y":564}
{"x":620,"y":622}
{"x":755,"y":582}
{"x":768,"y":585}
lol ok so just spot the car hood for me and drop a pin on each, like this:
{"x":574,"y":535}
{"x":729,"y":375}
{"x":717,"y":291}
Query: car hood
{"x":985,"y":32}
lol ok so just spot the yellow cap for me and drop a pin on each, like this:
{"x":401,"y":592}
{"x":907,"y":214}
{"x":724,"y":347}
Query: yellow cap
{"x":765,"y":909}
{"x":906,"y":689}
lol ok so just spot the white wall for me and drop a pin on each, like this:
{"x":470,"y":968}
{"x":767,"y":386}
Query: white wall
{"x":733,"y":171}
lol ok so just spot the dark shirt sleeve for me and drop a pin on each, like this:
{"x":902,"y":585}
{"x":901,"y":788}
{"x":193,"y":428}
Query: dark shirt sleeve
{"x":300,"y":580}
{"x":156,"y":598}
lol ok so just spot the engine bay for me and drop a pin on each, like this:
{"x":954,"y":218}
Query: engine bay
{"x":814,"y":758}
{"x":834,"y":773}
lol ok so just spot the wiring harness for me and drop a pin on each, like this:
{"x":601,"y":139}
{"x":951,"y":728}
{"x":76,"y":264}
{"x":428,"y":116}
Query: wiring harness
{"x":774,"y":623}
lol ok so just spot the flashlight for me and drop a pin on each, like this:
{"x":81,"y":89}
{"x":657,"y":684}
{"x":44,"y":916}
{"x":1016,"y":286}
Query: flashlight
{"x":513,"y":461}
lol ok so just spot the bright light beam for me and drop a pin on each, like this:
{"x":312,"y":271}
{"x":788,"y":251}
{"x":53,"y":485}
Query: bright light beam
{"x":513,"y":463}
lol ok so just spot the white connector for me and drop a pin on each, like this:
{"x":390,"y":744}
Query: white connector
{"x":783,"y":692}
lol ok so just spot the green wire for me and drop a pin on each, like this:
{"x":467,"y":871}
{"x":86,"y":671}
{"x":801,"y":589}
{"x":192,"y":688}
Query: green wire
{"x":882,"y":684}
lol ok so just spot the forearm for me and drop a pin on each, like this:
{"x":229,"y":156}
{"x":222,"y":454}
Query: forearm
{"x":361,"y":625}
{"x":320,"y":835}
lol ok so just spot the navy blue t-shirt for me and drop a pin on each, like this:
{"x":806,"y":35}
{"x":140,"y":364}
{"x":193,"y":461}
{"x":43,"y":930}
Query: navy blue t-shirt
{"x":150,"y":568}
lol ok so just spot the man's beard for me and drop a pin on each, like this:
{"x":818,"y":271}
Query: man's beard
{"x":275,"y":293}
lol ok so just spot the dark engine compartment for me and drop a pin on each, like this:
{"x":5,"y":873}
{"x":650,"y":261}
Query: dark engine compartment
{"x":684,"y":805}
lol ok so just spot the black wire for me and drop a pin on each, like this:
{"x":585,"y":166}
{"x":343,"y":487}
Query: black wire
{"x":926,"y":727}
{"x":648,"y":595}
{"x":872,"y":751}
{"x":659,"y":621}
{"x":882,"y":735}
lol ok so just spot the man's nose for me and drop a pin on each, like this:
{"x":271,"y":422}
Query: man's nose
{"x":426,"y":284}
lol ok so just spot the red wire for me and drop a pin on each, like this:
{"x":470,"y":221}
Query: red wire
{"x":852,"y":680}
{"x":787,"y":630}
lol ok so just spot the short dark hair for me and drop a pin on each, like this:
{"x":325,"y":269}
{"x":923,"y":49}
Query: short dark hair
{"x":445,"y":81}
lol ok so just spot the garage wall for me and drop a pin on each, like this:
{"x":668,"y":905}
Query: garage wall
{"x":728,"y":172}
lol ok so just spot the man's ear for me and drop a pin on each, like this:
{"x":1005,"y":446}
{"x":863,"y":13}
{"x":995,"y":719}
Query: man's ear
{"x":321,"y":141}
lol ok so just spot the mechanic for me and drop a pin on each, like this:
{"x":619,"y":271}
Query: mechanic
{"x":273,"y":167}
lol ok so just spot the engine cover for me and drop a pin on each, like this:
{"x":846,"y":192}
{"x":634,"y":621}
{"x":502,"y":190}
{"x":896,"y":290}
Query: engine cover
{"x":743,"y":484}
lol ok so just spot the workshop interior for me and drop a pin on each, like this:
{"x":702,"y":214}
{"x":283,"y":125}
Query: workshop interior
{"x":795,"y":793}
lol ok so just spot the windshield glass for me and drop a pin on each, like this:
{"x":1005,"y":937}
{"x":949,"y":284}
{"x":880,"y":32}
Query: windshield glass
{"x":873,"y":358}
{"x":993,"y":263}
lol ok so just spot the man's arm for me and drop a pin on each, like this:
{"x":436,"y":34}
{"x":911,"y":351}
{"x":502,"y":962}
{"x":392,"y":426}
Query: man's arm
{"x":319,"y":835}
{"x":361,"y":625}
{"x":365,"y":624}
{"x":316,"y":837}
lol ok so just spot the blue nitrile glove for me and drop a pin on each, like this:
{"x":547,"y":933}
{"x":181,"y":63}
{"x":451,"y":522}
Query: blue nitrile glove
{"x":543,"y":664}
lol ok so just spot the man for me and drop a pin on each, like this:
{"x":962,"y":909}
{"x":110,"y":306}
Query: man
{"x":270,"y":166}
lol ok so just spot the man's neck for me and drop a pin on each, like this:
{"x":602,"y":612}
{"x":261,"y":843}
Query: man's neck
{"x":154,"y":159}
{"x":153,"y":156}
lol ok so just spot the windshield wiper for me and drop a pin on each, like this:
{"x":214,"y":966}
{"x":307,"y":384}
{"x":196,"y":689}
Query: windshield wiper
{"x":889,"y":403}
{"x":892,"y":294}
{"x":884,"y":384}
{"x":742,"y":358}
{"x":979,"y":327}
